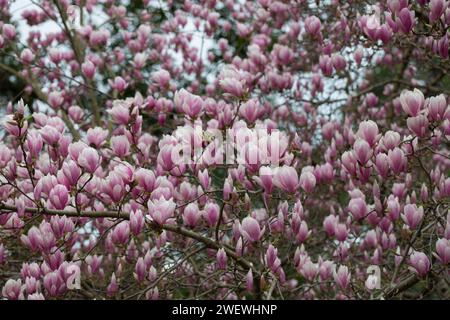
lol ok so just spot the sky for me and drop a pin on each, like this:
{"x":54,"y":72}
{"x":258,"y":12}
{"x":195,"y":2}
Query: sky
{"x":17,"y":7}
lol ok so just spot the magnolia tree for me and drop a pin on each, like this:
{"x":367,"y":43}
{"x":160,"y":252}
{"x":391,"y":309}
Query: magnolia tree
{"x":267,"y":149}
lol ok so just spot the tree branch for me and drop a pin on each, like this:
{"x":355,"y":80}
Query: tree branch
{"x":210,"y":243}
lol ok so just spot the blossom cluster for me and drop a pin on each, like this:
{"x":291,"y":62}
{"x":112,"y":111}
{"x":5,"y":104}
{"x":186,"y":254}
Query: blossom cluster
{"x":350,"y":171}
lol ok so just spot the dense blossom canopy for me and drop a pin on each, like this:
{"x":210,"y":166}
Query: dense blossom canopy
{"x":266,"y":149}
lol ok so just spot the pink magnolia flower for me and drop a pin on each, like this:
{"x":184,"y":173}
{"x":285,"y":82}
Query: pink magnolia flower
{"x":358,"y":55}
{"x":205,"y":180}
{"x":120,"y":112}
{"x":33,"y":239}
{"x":437,"y":107}
{"x":191,"y":215}
{"x":420,"y":264}
{"x":139,"y":62}
{"x":98,"y":37}
{"x":145,"y":179}
{"x":12,"y":126}
{"x":96,"y":136}
{"x":371,"y":26}
{"x":368,"y":130}
{"x":30,"y":270}
{"x":118,"y":84}
{"x":161,"y":77}
{"x":286,"y":178}
{"x":382,"y":164}
{"x":250,"y":110}
{"x":114,"y":187}
{"x":443,"y":251}
{"x":55,"y":99}
{"x":140,"y":270}
{"x":54,"y":284}
{"x":76,"y":113}
{"x":61,"y":225}
{"x":88,"y":69}
{"x":251,"y":230}
{"x":307,"y":181}
{"x":232,"y":82}
{"x":412,"y":102}
{"x":50,"y":135}
{"x":271,"y":259}
{"x":161,"y":210}
{"x":121,"y":233}
{"x":13,"y":290}
{"x":405,"y":20}
{"x":391,"y":140}
{"x":89,"y":159}
{"x":188,"y":103}
{"x":94,"y":263}
{"x":309,"y":270}
{"x":329,"y":224}
{"x":249,"y":281}
{"x":349,"y":161}
{"x":232,"y":86}
{"x":326,"y":269}
{"x":367,"y":126}
{"x":32,"y":285}
{"x":418,"y":125}
{"x":59,"y":196}
{"x":27,"y":56}
{"x":221,"y":259}
{"x":437,"y":8}
{"x":326,"y":65}
{"x":75,"y":149}
{"x":34,"y":143}
{"x":265,"y":178}
{"x":393,"y":208}
{"x":313,"y":25}
{"x":363,"y":151}
{"x":5,"y":155}
{"x":44,"y":185}
{"x":342,"y":277}
{"x":412,"y":215}
{"x":120,"y":146}
{"x":9,"y":31}
{"x":397,"y":160}
{"x":302,"y":232}
{"x":283,"y":54}
{"x":211,"y":213}
{"x":113,"y":286}
{"x":168,"y":157}
{"x":341,"y":232}
{"x":339,"y":62}
{"x":358,"y":208}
